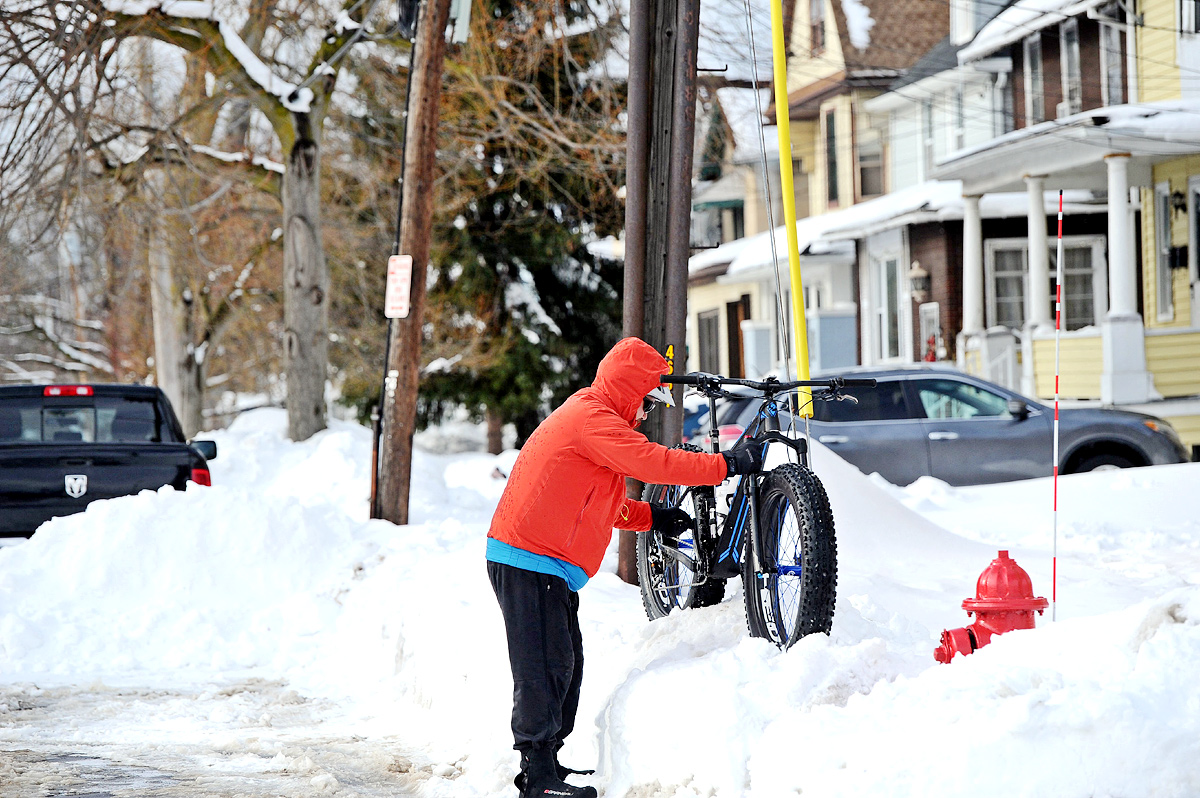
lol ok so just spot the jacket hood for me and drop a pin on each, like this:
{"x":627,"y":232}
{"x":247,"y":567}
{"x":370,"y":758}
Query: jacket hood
{"x":627,"y":373}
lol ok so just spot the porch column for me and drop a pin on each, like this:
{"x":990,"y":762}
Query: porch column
{"x":972,"y":280}
{"x":1123,"y":337}
{"x":1037,"y":290}
{"x":1037,"y":301}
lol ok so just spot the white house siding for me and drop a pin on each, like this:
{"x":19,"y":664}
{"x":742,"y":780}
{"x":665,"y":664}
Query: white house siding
{"x":905,"y":132}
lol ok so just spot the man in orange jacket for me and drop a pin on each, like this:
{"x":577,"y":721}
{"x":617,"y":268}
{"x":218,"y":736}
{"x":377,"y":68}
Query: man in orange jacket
{"x":552,"y":526}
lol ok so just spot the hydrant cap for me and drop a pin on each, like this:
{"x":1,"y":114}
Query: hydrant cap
{"x":1004,"y":585}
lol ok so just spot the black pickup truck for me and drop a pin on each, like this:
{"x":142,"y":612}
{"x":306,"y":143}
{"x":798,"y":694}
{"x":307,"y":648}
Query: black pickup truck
{"x":65,"y":446}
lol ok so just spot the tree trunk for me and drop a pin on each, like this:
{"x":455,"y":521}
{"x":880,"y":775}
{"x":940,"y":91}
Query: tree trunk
{"x":416,"y":218}
{"x":176,"y":369}
{"x":305,"y":286}
{"x":495,"y":432}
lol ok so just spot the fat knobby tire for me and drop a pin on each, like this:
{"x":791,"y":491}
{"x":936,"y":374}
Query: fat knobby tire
{"x":792,"y":491}
{"x":652,"y":566}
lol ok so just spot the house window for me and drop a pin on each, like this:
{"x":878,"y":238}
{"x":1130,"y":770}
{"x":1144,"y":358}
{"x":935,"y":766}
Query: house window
{"x":1194,"y":239}
{"x":831,"y":164}
{"x":1071,"y":77}
{"x":1189,"y":16}
{"x":887,"y":313}
{"x":930,"y":324}
{"x":1164,"y":282}
{"x":1035,"y":97}
{"x":1113,"y":85}
{"x":962,"y":21}
{"x":1007,"y":308}
{"x":709,"y":326}
{"x":816,"y":27}
{"x":1085,"y":285}
{"x":870,"y":168}
{"x":737,"y":226}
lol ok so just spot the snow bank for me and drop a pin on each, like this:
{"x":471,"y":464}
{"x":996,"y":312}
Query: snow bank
{"x":278,"y":573}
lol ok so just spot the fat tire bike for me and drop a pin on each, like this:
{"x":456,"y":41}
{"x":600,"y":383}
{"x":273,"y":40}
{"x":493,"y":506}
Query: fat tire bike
{"x":776,"y":533}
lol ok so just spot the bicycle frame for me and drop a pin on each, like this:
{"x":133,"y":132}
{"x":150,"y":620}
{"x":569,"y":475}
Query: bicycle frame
{"x":721,"y":554}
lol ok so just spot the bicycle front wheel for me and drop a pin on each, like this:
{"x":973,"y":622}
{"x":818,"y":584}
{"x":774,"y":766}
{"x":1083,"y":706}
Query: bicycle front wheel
{"x":792,"y":591}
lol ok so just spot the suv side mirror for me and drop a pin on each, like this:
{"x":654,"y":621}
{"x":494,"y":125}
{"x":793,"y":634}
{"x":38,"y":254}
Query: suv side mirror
{"x":1018,"y":409}
{"x":207,"y":449}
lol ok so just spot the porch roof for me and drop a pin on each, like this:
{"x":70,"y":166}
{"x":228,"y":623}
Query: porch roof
{"x":756,"y":254}
{"x":939,"y":201}
{"x":727,"y":191}
{"x":1019,"y":20}
{"x":1072,"y":150}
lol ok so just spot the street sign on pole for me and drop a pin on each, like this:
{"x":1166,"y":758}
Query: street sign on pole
{"x":396,"y":298}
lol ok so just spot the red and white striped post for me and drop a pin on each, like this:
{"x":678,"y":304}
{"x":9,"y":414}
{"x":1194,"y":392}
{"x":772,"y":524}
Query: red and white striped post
{"x":1058,"y":304}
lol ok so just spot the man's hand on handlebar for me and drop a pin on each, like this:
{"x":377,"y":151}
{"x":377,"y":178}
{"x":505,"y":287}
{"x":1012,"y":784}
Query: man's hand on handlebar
{"x":746,"y":457}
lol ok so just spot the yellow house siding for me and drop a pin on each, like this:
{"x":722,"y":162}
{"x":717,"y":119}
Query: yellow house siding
{"x":1174,"y":360}
{"x":709,"y":297}
{"x":1158,"y":76}
{"x":842,"y":108}
{"x":803,"y":68}
{"x":1080,"y":365}
{"x":1188,"y":428}
{"x":1176,"y":173}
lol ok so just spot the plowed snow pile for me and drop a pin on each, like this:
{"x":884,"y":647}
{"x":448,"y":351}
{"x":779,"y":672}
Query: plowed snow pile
{"x":277,"y":573}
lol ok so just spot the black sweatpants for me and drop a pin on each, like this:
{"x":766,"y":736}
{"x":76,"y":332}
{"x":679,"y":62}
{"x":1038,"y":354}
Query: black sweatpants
{"x":545,"y":650}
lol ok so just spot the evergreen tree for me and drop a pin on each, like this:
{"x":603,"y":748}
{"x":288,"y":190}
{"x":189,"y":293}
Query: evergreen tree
{"x":521,"y":311}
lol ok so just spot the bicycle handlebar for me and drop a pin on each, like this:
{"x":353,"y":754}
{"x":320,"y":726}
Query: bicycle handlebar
{"x":714,"y":381}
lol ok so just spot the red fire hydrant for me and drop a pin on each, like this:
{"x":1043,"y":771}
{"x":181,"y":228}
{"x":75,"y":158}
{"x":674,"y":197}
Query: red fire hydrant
{"x":1003,"y":601}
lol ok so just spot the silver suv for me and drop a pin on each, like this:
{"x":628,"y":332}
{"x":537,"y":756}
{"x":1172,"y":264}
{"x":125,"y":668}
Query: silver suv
{"x":939,"y":422}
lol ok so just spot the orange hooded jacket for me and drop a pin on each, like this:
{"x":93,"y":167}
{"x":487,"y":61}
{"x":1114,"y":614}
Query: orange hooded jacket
{"x":566,"y":491}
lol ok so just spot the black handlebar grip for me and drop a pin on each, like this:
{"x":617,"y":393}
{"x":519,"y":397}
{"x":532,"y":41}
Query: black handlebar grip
{"x":860,"y":382}
{"x":679,"y":379}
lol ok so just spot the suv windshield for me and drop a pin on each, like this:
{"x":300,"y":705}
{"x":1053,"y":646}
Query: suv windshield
{"x":102,"y":419}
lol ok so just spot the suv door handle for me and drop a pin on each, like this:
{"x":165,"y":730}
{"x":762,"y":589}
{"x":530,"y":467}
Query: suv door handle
{"x":943,"y":436}
{"x":833,"y":439}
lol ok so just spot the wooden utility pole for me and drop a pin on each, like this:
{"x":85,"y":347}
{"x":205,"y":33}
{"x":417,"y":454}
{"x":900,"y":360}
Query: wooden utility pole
{"x":664,"y":37}
{"x":398,"y":415}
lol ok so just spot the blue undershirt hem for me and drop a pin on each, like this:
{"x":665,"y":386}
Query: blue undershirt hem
{"x":506,"y":554}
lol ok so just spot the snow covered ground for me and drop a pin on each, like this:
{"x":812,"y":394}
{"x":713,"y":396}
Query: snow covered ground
{"x":264,"y":637}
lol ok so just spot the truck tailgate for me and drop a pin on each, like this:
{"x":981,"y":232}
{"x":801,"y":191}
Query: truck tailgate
{"x":43,"y":480}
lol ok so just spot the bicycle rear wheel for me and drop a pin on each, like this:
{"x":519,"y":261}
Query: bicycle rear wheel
{"x":666,"y":583}
{"x":793,"y":591}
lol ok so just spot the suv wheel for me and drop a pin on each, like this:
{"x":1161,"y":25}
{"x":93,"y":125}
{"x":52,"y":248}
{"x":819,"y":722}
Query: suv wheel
{"x":1104,"y":462}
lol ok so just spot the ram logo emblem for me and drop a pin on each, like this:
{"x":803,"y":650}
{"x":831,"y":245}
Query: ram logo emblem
{"x":76,"y":485}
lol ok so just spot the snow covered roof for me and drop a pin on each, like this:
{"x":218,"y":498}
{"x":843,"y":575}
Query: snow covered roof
{"x":758,"y":253}
{"x":1020,"y":20}
{"x":741,"y":109}
{"x":941,"y":200}
{"x":723,"y":254}
{"x":1076,"y":145}
{"x":858,"y":23}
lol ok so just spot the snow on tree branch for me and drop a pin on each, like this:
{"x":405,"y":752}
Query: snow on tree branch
{"x":291,"y":96}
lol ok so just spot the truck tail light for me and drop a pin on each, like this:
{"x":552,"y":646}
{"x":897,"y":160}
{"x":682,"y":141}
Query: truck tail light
{"x":201,"y":477}
{"x":67,"y":390}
